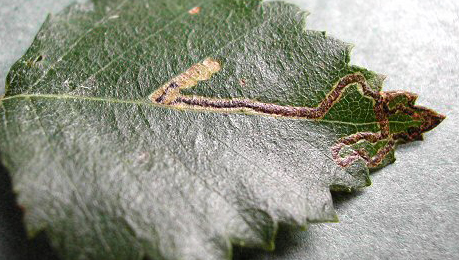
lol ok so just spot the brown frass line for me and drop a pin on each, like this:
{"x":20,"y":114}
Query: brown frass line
{"x":163,"y":96}
{"x":170,"y":95}
{"x":273,"y":109}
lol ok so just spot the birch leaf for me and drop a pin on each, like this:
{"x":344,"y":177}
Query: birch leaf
{"x":177,"y":129}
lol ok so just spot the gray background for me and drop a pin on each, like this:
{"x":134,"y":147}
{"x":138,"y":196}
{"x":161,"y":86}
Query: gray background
{"x":412,"y":209}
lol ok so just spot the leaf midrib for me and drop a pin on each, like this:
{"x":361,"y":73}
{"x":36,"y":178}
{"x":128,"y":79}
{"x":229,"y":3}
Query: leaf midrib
{"x":151,"y":104}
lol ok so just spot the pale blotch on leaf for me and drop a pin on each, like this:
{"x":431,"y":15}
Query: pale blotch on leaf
{"x":198,"y":72}
{"x":195,"y":10}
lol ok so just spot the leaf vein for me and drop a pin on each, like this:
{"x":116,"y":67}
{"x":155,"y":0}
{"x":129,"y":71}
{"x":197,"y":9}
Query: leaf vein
{"x":78,"y":40}
{"x":135,"y":44}
{"x":70,"y":180}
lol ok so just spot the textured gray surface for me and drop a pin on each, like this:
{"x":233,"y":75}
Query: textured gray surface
{"x":412,"y":209}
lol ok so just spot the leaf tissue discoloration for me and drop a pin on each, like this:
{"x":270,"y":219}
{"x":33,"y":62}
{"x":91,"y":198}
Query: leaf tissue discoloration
{"x":195,"y":10}
{"x":385,"y":104}
{"x":168,"y":93}
{"x":193,"y":168}
{"x":427,"y":118}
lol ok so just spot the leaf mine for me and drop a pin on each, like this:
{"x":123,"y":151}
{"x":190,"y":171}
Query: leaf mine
{"x":120,"y":148}
{"x":169,"y":94}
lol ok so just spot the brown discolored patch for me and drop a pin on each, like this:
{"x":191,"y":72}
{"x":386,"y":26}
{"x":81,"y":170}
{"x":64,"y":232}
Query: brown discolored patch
{"x":195,"y":10}
{"x":169,"y":94}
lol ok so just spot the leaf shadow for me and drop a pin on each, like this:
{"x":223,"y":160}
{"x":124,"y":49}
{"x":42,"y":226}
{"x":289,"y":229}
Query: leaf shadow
{"x":14,"y":244}
{"x":13,"y":238}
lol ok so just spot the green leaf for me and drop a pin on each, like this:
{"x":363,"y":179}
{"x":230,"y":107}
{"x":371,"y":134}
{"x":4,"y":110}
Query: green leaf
{"x":175,"y":129}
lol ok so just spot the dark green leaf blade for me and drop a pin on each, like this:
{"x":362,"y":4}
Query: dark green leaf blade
{"x":113,"y":175}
